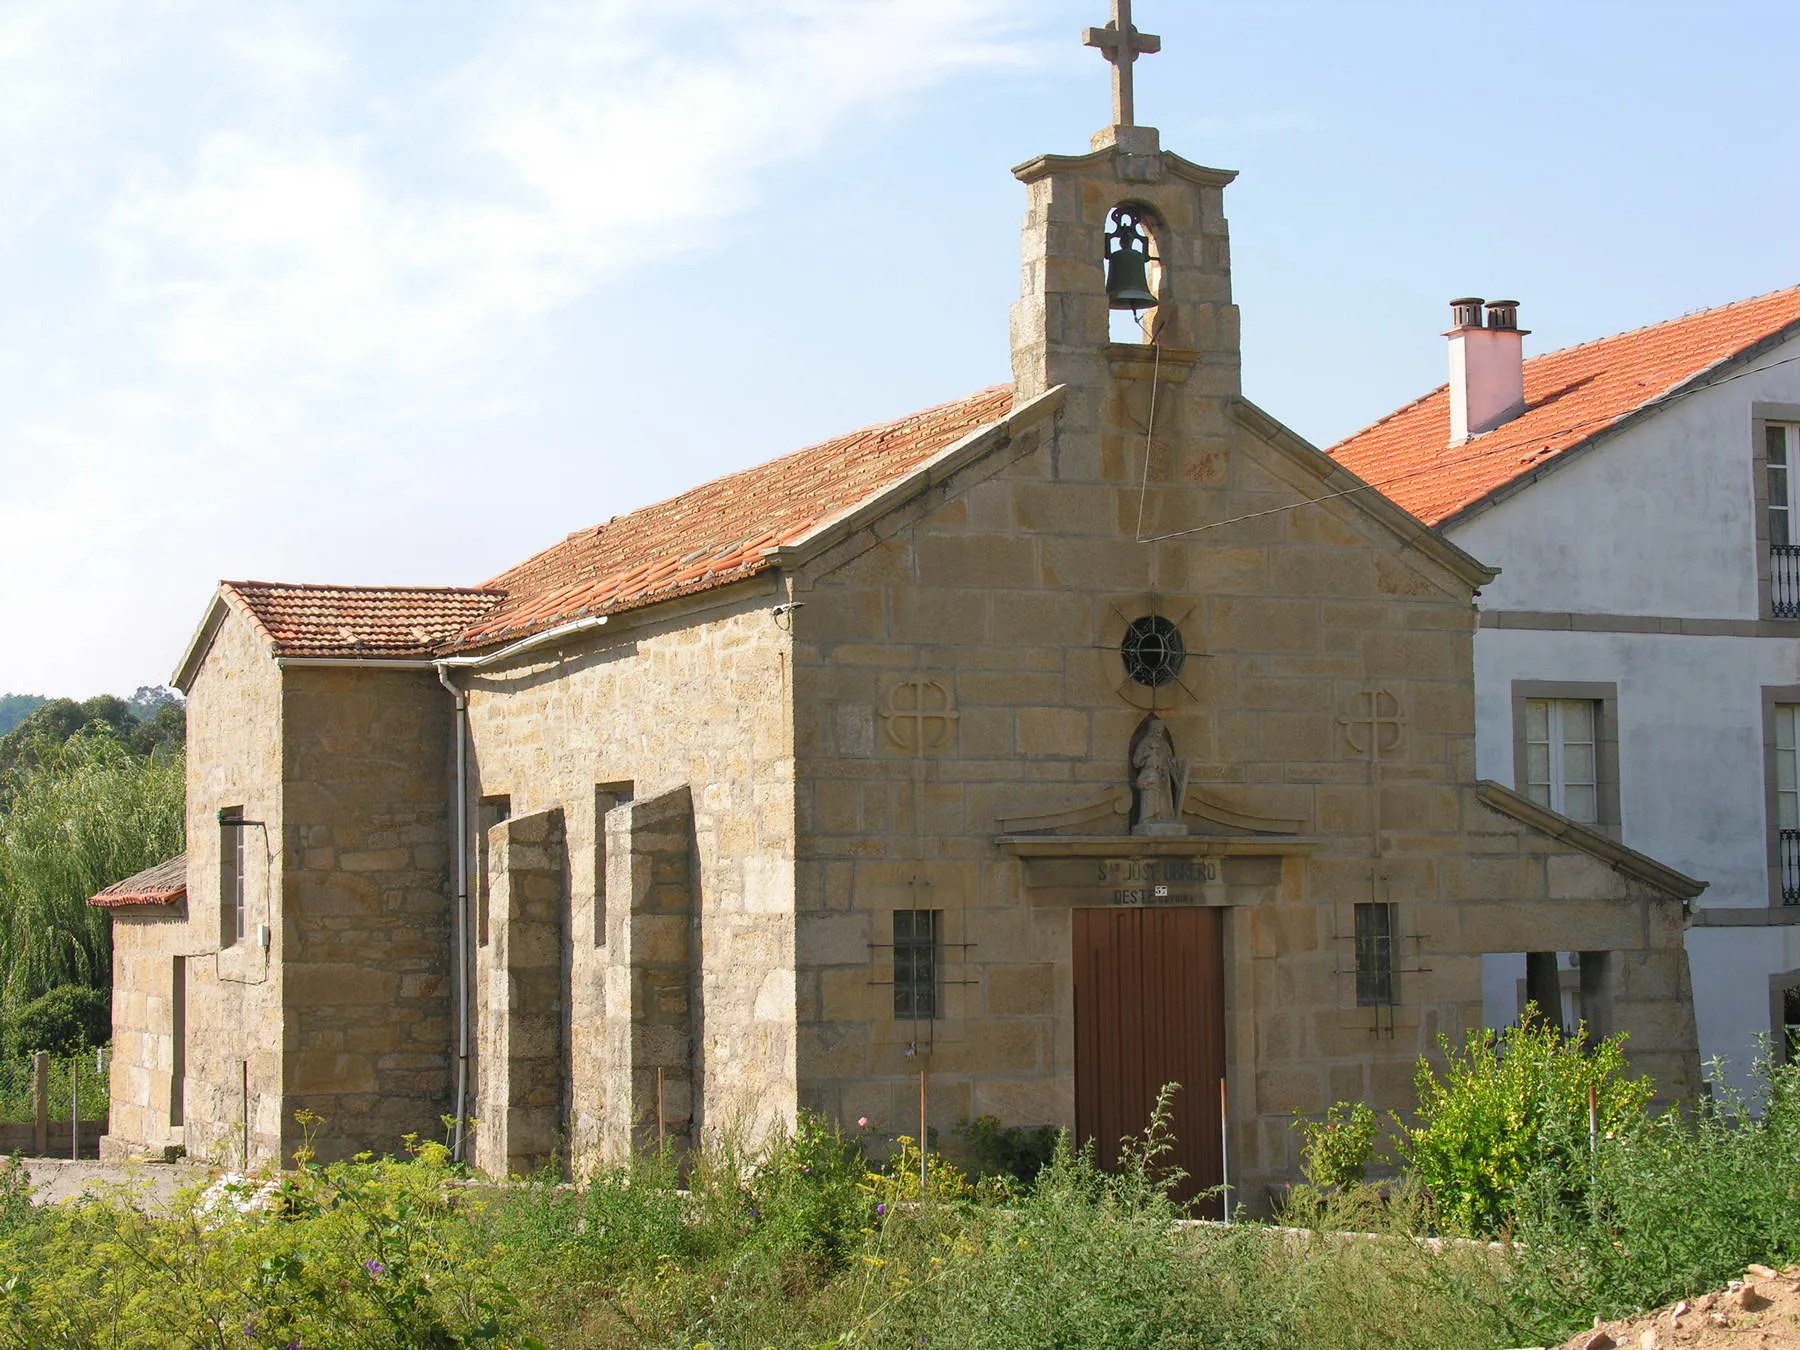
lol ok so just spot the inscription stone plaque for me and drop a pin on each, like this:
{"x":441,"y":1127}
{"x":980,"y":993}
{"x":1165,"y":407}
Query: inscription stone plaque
{"x":1155,"y":881}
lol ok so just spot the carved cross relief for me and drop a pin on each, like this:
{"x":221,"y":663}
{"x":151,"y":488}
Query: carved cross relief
{"x":1373,"y":726}
{"x":920,"y":715}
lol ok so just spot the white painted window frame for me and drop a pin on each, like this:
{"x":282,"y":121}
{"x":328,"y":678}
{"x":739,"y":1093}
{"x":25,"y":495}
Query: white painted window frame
{"x":1558,"y":713}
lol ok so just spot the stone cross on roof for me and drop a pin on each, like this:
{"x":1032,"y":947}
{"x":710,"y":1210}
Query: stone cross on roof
{"x":1120,"y":43}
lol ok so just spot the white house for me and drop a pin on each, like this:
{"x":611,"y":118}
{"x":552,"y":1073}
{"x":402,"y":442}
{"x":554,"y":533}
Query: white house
{"x":1638,"y":659}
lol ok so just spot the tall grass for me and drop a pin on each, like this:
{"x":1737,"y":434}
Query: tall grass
{"x":78,"y":818}
{"x":1671,"y":1209}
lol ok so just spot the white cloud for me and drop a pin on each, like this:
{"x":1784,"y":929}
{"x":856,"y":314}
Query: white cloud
{"x":584,"y":139}
{"x":255,"y":251}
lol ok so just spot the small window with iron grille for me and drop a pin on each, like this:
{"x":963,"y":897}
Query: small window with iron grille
{"x":916,"y":964}
{"x":1375,"y":956}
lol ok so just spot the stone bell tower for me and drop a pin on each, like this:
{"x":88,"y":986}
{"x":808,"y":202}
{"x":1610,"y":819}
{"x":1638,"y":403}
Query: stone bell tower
{"x":1170,"y":386}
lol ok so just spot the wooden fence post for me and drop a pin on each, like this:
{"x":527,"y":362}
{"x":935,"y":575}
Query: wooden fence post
{"x":40,"y":1100}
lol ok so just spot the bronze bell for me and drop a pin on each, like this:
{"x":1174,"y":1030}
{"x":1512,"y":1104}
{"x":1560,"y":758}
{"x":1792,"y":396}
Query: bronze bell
{"x":1127,"y":280}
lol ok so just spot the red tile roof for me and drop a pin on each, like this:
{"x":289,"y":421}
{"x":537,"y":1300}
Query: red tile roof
{"x":722,"y":531}
{"x":163,"y":884}
{"x":395,"y":622}
{"x":1571,"y":396}
{"x":718,"y":533}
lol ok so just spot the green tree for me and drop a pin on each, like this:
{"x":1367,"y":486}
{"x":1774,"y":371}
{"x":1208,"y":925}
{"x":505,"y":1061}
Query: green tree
{"x":15,"y":707}
{"x":65,"y":1021}
{"x":77,"y":817}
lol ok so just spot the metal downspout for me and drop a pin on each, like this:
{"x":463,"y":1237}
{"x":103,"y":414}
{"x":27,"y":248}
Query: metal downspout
{"x":460,"y":728}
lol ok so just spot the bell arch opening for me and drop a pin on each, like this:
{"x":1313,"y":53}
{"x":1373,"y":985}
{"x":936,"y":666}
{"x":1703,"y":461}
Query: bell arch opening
{"x":1132,"y":256}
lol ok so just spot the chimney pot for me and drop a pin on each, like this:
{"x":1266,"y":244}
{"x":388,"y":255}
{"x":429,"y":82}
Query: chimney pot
{"x":1466,"y":312}
{"x":1503,"y":314}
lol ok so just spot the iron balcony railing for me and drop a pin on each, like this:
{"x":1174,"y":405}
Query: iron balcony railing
{"x":1790,"y":867}
{"x":1784,"y":580}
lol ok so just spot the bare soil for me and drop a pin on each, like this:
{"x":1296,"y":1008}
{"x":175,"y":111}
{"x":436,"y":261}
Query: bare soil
{"x":1761,"y":1310}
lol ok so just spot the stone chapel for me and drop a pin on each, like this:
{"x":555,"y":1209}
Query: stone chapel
{"x":1086,"y":734}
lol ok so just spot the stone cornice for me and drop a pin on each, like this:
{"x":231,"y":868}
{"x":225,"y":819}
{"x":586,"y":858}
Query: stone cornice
{"x":1156,"y":846}
{"x":935,"y":470}
{"x":1350,"y":489}
{"x":1677,"y":885}
{"x":1099,"y":161}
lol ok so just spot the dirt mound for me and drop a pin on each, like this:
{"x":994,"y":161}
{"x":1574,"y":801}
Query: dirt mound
{"x":1762,"y":1310}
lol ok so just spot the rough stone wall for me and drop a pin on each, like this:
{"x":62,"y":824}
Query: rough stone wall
{"x":520,"y":1104}
{"x":648,"y":977}
{"x":692,"y":695}
{"x":998,"y":599}
{"x":368,"y":912}
{"x":234,"y":1047}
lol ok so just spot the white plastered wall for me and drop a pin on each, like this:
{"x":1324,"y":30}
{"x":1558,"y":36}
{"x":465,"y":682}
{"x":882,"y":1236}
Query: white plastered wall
{"x":1660,"y":521}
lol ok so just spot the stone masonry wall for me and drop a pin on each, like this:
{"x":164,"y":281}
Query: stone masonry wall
{"x":368,"y":912}
{"x":520,"y":1102}
{"x":648,"y":978}
{"x":996,"y":601}
{"x":692,"y":695}
{"x":234,"y":1050}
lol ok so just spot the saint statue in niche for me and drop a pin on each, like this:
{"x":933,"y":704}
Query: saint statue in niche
{"x":1155,"y":779}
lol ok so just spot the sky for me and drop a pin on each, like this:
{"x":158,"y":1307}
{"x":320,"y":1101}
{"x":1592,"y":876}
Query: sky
{"x":403,"y":291}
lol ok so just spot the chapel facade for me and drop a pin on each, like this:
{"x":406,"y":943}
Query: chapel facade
{"x":1016,"y":758}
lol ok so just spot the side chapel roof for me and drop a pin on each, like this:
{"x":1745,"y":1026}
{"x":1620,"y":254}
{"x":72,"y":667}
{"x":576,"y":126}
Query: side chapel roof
{"x":1573,"y":397}
{"x":163,"y":884}
{"x":379,"y":621}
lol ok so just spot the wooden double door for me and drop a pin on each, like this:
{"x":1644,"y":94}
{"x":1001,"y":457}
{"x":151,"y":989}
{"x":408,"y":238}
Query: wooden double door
{"x":1150,"y":1010}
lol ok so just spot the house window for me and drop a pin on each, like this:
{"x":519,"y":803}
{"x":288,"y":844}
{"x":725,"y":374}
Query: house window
{"x":1779,"y":458}
{"x":231,"y":875}
{"x":1777,"y":478}
{"x":1375,"y":928}
{"x":1561,"y":756}
{"x":916,"y":964}
{"x":1787,"y":803}
{"x":1788,"y":1023}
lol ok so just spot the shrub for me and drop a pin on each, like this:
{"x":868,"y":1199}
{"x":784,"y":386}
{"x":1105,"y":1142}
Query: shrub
{"x":64,"y":1021}
{"x":1510,"y":1107}
{"x":807,"y":1195}
{"x":1335,"y":1152}
{"x":1016,"y":1151}
{"x":360,"y":1255}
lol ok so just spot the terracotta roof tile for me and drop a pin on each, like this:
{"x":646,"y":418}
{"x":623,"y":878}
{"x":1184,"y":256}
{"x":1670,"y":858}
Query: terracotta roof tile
{"x":396,"y":622}
{"x":721,"y":531}
{"x":163,"y":884}
{"x":1571,"y":396}
{"x":714,"y":534}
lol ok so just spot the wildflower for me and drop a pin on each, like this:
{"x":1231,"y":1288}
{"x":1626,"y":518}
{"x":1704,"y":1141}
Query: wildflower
{"x":374,"y":1267}
{"x":881,"y":1208}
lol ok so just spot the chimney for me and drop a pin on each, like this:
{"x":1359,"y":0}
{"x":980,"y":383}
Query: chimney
{"x":1487,"y":366}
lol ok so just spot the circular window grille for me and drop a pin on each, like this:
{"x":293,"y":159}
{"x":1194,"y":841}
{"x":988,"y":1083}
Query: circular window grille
{"x":1153,"y":651}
